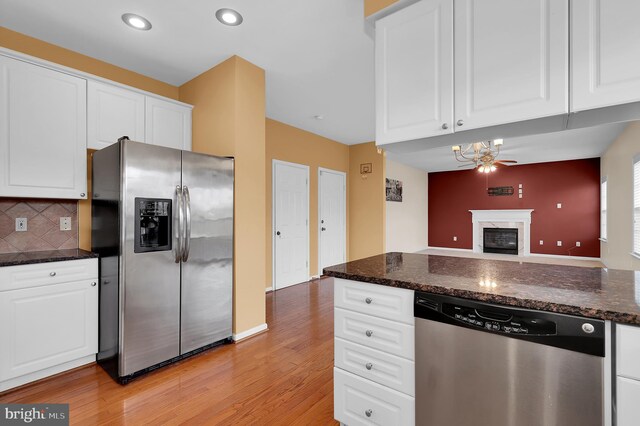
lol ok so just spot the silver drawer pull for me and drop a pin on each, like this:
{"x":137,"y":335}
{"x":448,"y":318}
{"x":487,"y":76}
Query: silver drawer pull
{"x":368,"y":366}
{"x":368,"y":413}
{"x":368,"y":300}
{"x":368,"y":333}
{"x":52,"y":274}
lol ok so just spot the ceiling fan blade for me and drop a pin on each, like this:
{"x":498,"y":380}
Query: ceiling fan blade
{"x":506,"y":161}
{"x":467,"y":165}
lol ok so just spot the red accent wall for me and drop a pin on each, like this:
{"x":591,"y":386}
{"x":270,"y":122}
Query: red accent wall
{"x":575,"y":184}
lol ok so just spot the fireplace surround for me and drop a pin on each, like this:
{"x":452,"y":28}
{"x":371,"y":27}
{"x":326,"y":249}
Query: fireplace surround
{"x":511,"y":218}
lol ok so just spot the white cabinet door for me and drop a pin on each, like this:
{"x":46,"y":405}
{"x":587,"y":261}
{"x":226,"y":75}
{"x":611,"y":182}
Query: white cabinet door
{"x":628,"y":392}
{"x":167,"y":124}
{"x":605,"y":53}
{"x":41,"y":327}
{"x":43,"y":132}
{"x":113,"y":112}
{"x":511,"y":61}
{"x":414,"y":72}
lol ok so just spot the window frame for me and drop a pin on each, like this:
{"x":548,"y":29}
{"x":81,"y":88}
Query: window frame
{"x":635,"y":240}
{"x":603,"y":208}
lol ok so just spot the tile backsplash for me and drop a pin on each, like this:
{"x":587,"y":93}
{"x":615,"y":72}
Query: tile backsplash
{"x":43,"y":224}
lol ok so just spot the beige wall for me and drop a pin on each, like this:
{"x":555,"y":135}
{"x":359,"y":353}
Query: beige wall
{"x":366,"y":202}
{"x":229,"y":120}
{"x":50,"y":52}
{"x":406,"y":221}
{"x":294,"y":145}
{"x":373,"y":6}
{"x":617,"y":166}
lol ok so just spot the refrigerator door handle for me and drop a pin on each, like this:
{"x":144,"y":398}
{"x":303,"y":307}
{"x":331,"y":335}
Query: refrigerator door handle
{"x":187,"y":230}
{"x":179,"y":201}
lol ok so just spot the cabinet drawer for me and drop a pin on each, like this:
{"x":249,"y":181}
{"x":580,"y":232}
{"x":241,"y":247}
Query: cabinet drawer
{"x":380,"y":367}
{"x":628,"y":395}
{"x":628,"y":351}
{"x":359,"y":401}
{"x":35,"y":275}
{"x":388,"y":336}
{"x":372,"y":299}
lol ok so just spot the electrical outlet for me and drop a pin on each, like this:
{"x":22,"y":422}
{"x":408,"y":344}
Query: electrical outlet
{"x":559,"y":243}
{"x":21,"y":224}
{"x":559,"y":205}
{"x":455,"y":238}
{"x":65,"y":224}
{"x":577,"y":243}
{"x":541,"y":242}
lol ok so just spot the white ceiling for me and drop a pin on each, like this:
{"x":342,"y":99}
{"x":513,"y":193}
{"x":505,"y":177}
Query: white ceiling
{"x":317,"y":55}
{"x":567,"y":145}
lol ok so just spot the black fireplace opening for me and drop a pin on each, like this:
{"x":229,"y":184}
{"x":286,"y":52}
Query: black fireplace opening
{"x":500,"y":240}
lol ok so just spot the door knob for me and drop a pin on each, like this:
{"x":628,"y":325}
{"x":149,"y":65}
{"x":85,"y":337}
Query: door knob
{"x":460,"y":123}
{"x":323,"y":229}
{"x":278,"y":233}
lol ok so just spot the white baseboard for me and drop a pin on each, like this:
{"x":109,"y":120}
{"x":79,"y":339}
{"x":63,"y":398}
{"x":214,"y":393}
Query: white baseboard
{"x":447,"y":248}
{"x":268,"y":289}
{"x":248,"y":333}
{"x":41,"y":374}
{"x":560,"y":256}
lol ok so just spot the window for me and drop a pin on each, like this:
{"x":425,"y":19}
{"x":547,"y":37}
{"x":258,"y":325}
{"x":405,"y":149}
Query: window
{"x":603,"y":209}
{"x":636,"y":205}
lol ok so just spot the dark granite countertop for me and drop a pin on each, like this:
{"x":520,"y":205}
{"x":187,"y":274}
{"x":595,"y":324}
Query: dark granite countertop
{"x":26,"y":258}
{"x":602,"y":293}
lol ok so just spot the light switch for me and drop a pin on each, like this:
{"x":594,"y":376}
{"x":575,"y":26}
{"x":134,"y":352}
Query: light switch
{"x":541,"y":242}
{"x":559,"y":205}
{"x":455,"y":238}
{"x":559,"y":243}
{"x":577,"y":243}
{"x":520,"y":186}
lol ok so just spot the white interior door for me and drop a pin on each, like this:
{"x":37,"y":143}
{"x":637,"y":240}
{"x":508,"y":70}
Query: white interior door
{"x":332,"y":201}
{"x":290,"y":224}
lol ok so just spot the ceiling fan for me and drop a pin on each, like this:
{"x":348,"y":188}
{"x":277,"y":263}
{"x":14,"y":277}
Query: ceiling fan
{"x":482,"y":156}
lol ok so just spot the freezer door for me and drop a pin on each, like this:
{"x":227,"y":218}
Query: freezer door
{"x":150,"y":284}
{"x":207,"y":266}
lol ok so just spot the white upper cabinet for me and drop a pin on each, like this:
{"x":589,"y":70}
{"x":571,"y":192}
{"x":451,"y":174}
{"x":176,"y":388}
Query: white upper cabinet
{"x":605,"y":53}
{"x":511,"y":61}
{"x":414,"y":72}
{"x":167,"y":124}
{"x":113,"y":112}
{"x":43,"y":132}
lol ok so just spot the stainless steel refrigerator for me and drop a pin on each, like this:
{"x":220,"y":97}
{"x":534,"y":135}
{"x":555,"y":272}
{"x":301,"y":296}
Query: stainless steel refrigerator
{"x":162,"y":222}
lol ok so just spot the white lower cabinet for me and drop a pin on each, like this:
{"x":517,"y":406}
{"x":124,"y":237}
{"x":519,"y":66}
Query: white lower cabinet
{"x":628,"y":375}
{"x":46,"y":328}
{"x":374,"y":374}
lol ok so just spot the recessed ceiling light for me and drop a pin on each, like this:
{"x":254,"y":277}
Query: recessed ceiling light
{"x":136,"y":21}
{"x":319,"y":117}
{"x":229,"y":17}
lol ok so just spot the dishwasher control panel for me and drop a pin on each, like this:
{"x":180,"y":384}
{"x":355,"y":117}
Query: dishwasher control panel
{"x":500,"y":322}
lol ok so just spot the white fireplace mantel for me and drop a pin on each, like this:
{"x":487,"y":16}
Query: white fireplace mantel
{"x":517,"y":215}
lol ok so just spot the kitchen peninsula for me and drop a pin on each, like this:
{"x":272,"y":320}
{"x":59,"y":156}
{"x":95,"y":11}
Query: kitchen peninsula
{"x":554,"y":325}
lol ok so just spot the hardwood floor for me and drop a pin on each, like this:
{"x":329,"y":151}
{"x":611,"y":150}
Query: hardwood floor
{"x":282,"y":377}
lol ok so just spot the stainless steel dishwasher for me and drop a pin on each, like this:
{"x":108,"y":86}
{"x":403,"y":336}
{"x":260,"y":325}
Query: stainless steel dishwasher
{"x":487,"y":365}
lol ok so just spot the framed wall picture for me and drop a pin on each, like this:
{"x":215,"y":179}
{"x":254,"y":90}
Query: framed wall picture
{"x":394,"y":190}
